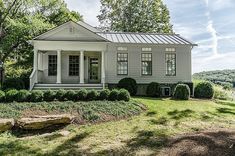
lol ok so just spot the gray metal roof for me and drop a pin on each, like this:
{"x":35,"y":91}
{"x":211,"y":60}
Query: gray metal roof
{"x":146,"y":38}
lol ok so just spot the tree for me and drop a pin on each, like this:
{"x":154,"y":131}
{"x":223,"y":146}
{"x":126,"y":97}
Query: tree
{"x":21,"y":20}
{"x":135,"y":16}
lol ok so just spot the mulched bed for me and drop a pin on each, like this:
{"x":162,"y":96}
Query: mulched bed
{"x":207,"y":143}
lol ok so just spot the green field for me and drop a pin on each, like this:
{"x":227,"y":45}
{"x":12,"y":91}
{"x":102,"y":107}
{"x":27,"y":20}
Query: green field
{"x":144,"y":134}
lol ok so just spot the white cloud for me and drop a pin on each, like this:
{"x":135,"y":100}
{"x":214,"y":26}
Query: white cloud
{"x":214,"y":62}
{"x":212,"y":31}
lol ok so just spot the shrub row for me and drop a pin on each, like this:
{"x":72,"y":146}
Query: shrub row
{"x":63,"y":95}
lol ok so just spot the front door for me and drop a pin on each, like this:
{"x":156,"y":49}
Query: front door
{"x":93,"y":70}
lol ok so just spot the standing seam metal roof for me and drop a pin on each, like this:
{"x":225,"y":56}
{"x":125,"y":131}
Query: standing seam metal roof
{"x":147,"y":38}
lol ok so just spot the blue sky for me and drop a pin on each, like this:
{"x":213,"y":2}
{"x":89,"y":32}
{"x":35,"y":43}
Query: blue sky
{"x":209,"y":23}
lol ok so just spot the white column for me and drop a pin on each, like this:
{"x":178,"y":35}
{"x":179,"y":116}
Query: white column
{"x":35,"y":64}
{"x":102,"y":69}
{"x":58,"y":80}
{"x":81,"y":63}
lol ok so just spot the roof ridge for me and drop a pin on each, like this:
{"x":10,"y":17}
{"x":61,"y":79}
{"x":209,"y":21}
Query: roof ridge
{"x":138,"y":33}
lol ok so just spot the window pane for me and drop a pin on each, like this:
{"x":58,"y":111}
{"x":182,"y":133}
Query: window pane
{"x":74,"y":65}
{"x":170,"y":64}
{"x":122,"y":63}
{"x":52,"y":65}
{"x":146,"y":59}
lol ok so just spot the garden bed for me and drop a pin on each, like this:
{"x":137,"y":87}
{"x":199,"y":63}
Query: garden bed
{"x":84,"y":112}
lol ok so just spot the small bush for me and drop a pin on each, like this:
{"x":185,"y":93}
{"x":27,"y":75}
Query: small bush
{"x":70,"y":95}
{"x":128,"y":84}
{"x":104,"y":94}
{"x":23,"y":96}
{"x":13,"y":83}
{"x":2,"y":96}
{"x":113,"y":96}
{"x":204,"y":90}
{"x":60,"y":95}
{"x":49,"y":95}
{"x":92,"y":95}
{"x":82,"y":94}
{"x":153,"y":89}
{"x":181,"y":92}
{"x":36,"y":96}
{"x":123,"y":95}
{"x":11,"y":95}
{"x":222,"y":94}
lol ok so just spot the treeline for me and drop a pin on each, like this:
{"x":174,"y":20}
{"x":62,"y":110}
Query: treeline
{"x":220,"y":77}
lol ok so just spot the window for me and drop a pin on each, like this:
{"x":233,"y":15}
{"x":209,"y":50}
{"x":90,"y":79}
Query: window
{"x":122,"y":48}
{"x":146,"y":62}
{"x":170,"y":49}
{"x":52,"y":65}
{"x":73,"y":65}
{"x":170,"y":64}
{"x":146,"y":49}
{"x":122,"y":63}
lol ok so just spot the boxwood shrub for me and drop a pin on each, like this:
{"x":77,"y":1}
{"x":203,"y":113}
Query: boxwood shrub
{"x":92,"y":95}
{"x":104,"y":94}
{"x":13,"y":83}
{"x":128,"y":84}
{"x":70,"y":95}
{"x":36,"y":96}
{"x":123,"y":95}
{"x":11,"y":95}
{"x":204,"y":90}
{"x":23,"y":96}
{"x":82,"y":94}
{"x":181,"y":92}
{"x":113,"y":96}
{"x":49,"y":95}
{"x":63,"y":95}
{"x":153,"y":89}
{"x":60,"y":95}
{"x":2,"y":96}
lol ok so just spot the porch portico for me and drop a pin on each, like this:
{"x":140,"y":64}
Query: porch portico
{"x":68,"y":65}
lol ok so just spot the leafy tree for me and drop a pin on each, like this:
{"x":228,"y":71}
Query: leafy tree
{"x":225,"y":78}
{"x":21,"y":20}
{"x":135,"y":16}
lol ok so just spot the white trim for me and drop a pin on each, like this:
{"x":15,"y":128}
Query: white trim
{"x":58,"y":80}
{"x":81,"y":67}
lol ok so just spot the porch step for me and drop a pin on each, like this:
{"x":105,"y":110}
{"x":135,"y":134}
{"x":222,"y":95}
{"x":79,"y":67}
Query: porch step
{"x":67,"y":86}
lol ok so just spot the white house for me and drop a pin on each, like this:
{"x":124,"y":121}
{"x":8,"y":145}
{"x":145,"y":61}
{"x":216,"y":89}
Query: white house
{"x":77,"y":55}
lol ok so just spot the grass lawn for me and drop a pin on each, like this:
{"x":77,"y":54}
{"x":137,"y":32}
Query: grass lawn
{"x":145,"y":134}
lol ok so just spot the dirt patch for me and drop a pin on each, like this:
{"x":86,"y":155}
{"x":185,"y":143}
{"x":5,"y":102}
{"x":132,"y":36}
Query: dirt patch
{"x":207,"y":143}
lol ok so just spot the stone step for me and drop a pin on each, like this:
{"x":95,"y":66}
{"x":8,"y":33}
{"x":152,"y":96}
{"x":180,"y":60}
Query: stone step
{"x":68,"y":86}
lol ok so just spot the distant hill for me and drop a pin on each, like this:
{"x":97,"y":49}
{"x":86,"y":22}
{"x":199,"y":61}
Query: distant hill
{"x":221,"y":77}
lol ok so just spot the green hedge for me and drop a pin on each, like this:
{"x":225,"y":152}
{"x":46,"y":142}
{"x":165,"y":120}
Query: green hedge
{"x":204,"y":90}
{"x":181,"y":92}
{"x":153,"y":89}
{"x":128,"y":84}
{"x":64,"y":95}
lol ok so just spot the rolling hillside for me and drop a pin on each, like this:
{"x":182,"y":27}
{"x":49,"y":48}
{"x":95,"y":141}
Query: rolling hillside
{"x":221,"y":77}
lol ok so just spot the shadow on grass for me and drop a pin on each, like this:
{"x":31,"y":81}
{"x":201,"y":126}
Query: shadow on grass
{"x":70,"y":147}
{"x":148,"y":139}
{"x":160,"y":121}
{"x":226,"y":111}
{"x":19,"y":133}
{"x":16,"y":147}
{"x":227,"y":103}
{"x":145,"y":140}
{"x":151,"y":113}
{"x":180,"y":114}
